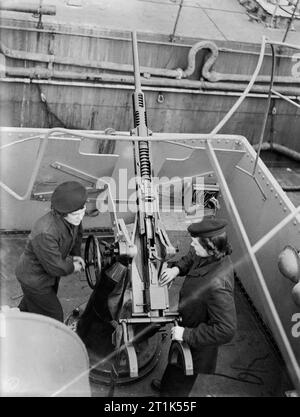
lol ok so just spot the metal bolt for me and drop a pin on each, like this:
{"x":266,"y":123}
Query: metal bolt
{"x":160,"y":98}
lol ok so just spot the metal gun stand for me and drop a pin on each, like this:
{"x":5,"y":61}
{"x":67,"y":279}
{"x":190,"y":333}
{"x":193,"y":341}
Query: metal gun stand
{"x":148,"y":249}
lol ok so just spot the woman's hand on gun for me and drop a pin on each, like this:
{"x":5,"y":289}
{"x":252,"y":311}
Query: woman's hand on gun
{"x":177,"y":333}
{"x":79,"y":264}
{"x":168,"y":275}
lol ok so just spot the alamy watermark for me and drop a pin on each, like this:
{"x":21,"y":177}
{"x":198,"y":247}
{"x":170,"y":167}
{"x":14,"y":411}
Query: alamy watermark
{"x":296,"y":327}
{"x":133,"y":194}
{"x":296,"y":67}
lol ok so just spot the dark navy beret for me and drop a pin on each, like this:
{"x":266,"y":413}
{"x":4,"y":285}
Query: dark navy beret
{"x":207,"y":228}
{"x":68,"y":196}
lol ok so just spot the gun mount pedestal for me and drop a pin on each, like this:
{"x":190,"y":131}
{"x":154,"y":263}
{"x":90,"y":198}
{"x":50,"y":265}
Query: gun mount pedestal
{"x":130,"y":363}
{"x":123,"y":336}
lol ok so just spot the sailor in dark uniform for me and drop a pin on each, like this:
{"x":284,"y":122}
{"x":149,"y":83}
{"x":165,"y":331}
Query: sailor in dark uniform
{"x":53,"y":249}
{"x":206,"y":304}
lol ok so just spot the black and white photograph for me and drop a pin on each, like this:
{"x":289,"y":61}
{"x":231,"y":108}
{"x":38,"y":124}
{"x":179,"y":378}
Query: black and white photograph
{"x":150,"y":201}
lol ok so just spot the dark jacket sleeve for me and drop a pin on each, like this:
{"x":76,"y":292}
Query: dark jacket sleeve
{"x":221,"y":325}
{"x":184,"y":263}
{"x":76,"y":250}
{"x":46,"y":249}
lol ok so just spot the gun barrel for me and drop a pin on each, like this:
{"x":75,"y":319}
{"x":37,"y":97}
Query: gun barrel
{"x":137,"y":77}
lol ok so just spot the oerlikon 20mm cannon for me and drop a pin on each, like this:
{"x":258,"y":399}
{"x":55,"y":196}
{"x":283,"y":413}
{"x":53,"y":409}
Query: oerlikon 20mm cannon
{"x":128,"y":301}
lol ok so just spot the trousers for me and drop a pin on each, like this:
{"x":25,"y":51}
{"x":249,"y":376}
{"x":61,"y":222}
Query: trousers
{"x":46,"y":304}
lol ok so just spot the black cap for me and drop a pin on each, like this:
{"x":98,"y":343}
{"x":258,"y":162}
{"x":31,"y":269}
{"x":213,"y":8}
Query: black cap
{"x":68,"y":197}
{"x":207,"y":228}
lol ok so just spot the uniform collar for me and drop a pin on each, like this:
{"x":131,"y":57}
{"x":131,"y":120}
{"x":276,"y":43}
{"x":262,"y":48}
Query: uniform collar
{"x":210,"y":264}
{"x":68,"y":225}
{"x":61,"y":219}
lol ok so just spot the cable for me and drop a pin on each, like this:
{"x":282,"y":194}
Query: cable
{"x":281,"y":149}
{"x":246,"y":373}
{"x":265,"y":119}
{"x":241,"y":378}
{"x":50,"y":113}
{"x":246,"y":91}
